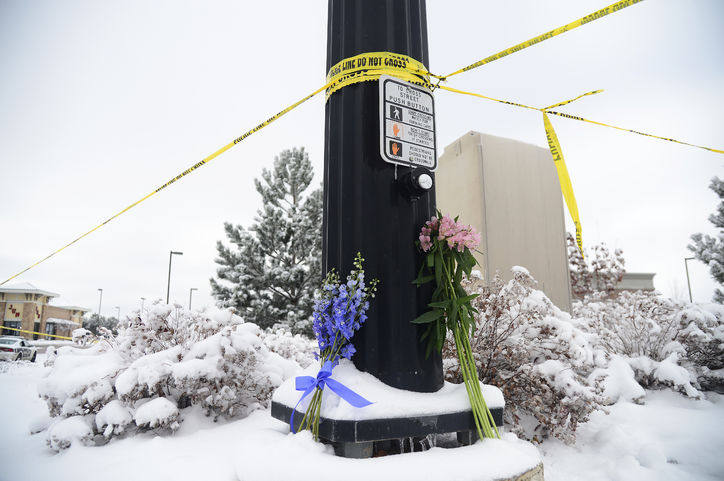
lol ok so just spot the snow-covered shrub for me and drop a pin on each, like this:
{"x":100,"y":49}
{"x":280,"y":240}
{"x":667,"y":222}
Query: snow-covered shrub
{"x":113,"y":418}
{"x":82,"y":336}
{"x":161,"y":363}
{"x":157,"y":413}
{"x":535,"y":353}
{"x":75,"y":429}
{"x":80,"y":381}
{"x":599,"y":271}
{"x":632,"y":324}
{"x":223,"y":373}
{"x":295,"y":347}
{"x":703,"y":339}
{"x":651,"y":333}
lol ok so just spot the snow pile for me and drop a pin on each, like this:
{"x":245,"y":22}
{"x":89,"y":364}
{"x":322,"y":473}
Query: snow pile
{"x":159,"y":364}
{"x":387,"y":401}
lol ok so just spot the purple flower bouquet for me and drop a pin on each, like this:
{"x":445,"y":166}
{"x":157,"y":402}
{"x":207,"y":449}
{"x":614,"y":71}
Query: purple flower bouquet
{"x":339,"y":311}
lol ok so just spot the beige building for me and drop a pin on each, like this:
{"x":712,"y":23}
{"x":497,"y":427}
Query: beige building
{"x":636,"y":281}
{"x":509,"y":192}
{"x":26,"y":307}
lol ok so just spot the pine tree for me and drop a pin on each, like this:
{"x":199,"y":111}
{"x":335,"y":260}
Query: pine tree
{"x":710,"y":250}
{"x":272,"y":268}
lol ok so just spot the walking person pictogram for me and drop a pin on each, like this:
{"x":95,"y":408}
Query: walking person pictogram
{"x":395,"y":113}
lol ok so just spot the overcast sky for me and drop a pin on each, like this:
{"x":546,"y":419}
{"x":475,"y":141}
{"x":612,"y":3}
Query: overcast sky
{"x":102,"y":102}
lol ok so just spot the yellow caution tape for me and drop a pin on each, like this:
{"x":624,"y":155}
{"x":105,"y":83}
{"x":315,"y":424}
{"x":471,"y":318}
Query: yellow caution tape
{"x":33,"y":332}
{"x":557,"y":153}
{"x":565,"y":102}
{"x":369,"y":66}
{"x":575,"y":117}
{"x":564,"y":179}
{"x":178,"y":177}
{"x":615,"y":7}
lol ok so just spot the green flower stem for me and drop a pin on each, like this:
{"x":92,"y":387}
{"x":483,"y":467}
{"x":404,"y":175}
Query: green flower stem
{"x":474,"y":390}
{"x":468,"y":386}
{"x":486,"y":412}
{"x":482,"y":405}
{"x":308,"y":420}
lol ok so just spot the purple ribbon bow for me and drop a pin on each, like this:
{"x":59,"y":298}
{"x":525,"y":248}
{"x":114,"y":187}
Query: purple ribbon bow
{"x":308,"y":384}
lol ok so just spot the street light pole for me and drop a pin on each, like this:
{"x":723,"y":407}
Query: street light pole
{"x":168,"y":286}
{"x":100,"y":301}
{"x":191,"y":291}
{"x":688,"y":283}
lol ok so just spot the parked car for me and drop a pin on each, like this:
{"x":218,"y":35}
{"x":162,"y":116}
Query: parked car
{"x":14,"y":348}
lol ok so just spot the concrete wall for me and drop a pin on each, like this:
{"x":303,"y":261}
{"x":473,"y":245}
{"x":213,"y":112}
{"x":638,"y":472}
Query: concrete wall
{"x":509,"y":191}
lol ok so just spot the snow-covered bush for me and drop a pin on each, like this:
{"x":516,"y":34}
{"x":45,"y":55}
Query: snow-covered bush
{"x":159,"y":364}
{"x":632,"y":324}
{"x":535,"y":353}
{"x":599,"y":271}
{"x":296,"y":347}
{"x":157,"y":413}
{"x":554,"y":369}
{"x":82,"y":336}
{"x":75,"y":429}
{"x":113,"y":418}
{"x":664,"y":342}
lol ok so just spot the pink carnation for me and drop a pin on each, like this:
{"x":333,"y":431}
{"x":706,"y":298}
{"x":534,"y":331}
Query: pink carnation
{"x":457,"y":235}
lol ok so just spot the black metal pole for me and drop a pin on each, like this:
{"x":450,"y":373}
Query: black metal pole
{"x":365,"y":209}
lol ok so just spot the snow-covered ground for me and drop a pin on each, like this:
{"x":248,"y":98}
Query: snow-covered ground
{"x":668,"y":438}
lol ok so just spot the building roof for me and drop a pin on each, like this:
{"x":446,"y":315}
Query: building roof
{"x":25,"y":288}
{"x":65,"y":322}
{"x":636,"y":281}
{"x":67,"y":304}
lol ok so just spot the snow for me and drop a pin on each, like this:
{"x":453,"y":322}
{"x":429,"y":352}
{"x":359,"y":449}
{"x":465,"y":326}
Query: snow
{"x":670,"y":437}
{"x":305,"y":460}
{"x":113,"y":414}
{"x":65,"y":322}
{"x":69,"y":431}
{"x":618,"y":381}
{"x":156,"y":412}
{"x":71,"y":371}
{"x":387,"y":401}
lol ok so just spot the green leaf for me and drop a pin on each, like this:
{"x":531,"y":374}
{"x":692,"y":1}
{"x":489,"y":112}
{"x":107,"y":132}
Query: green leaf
{"x":441,"y":304}
{"x":468,"y":261}
{"x":454,"y":311}
{"x":429,"y":316}
{"x":423,"y":280}
{"x":458,"y":275}
{"x":440,"y":337}
{"x":430,"y":260}
{"x":467,"y":299}
{"x":426,"y":333}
